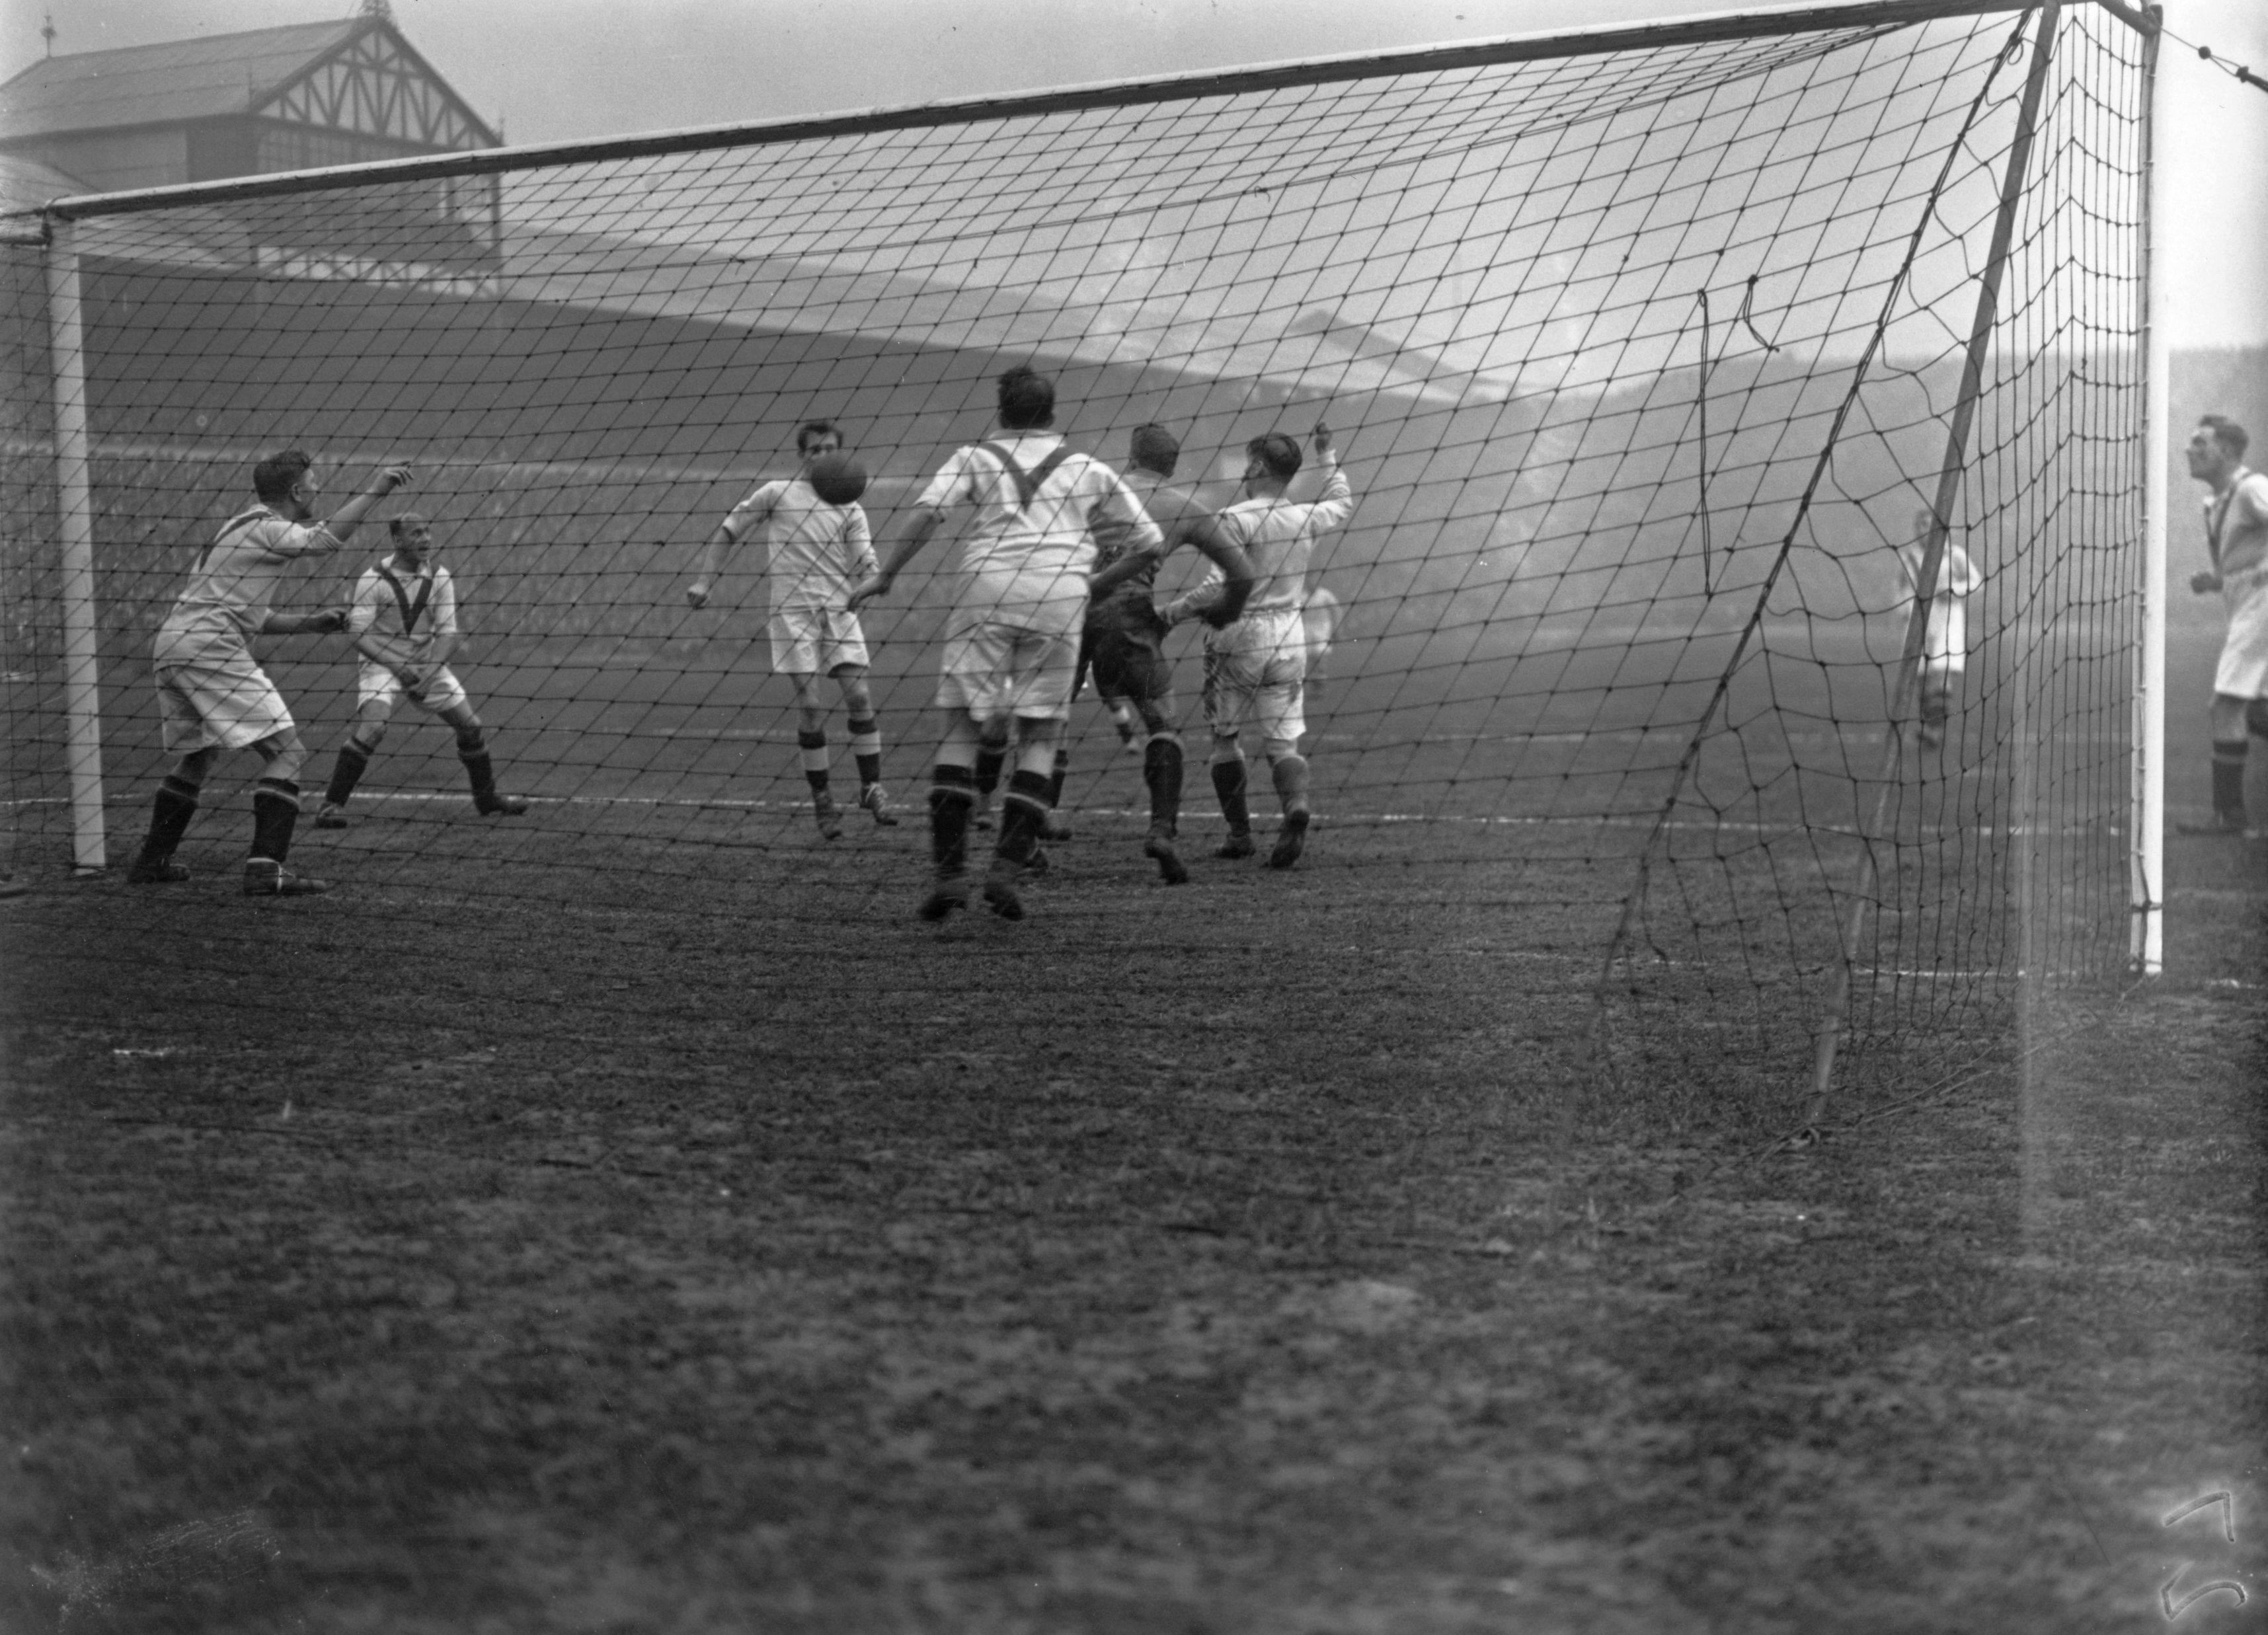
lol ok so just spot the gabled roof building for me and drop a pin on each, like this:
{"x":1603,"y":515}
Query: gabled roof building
{"x":296,"y":97}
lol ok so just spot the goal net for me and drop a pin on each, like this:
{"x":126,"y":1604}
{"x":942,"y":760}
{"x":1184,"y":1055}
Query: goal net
{"x":1648,"y":351}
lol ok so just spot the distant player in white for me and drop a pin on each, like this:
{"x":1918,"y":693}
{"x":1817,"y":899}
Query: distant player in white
{"x":2236,"y":543}
{"x":815,"y":552}
{"x":1255,"y":669}
{"x":1945,"y":645}
{"x":404,"y":622}
{"x":1011,"y":642}
{"x":214,"y":697}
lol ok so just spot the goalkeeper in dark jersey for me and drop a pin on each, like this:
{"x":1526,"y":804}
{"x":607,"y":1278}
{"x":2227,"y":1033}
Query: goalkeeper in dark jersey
{"x":1123,"y":647}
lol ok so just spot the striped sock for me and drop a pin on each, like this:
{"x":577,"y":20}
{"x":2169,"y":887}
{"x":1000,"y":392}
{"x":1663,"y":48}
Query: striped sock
{"x":812,"y":748}
{"x":866,"y":748}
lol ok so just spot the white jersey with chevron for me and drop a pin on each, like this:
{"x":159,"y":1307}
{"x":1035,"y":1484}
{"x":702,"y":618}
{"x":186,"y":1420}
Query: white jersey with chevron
{"x":817,"y":551}
{"x":1027,"y":554}
{"x":401,"y":616}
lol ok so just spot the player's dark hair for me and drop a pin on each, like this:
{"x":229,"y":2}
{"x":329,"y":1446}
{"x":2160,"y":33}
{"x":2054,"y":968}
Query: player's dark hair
{"x":1279,"y":453}
{"x":2228,"y":433}
{"x":399,"y":525}
{"x":1156,"y":449}
{"x":811,"y":429}
{"x":1027,"y":400}
{"x":274,"y":478}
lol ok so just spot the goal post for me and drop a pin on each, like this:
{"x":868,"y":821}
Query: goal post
{"x":1645,"y":346}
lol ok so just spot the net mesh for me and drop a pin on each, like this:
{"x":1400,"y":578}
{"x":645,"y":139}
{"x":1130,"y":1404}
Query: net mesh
{"x":1642,"y":361}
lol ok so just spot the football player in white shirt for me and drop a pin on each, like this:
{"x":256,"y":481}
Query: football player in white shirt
{"x":816,"y":551}
{"x":1011,"y":642}
{"x":1944,"y":644}
{"x":404,"y":622}
{"x":1255,"y":669}
{"x":214,"y":696}
{"x":2236,"y":540}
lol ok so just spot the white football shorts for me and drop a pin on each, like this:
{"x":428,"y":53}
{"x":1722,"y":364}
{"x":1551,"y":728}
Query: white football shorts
{"x":1255,"y":674}
{"x":2242,"y":672}
{"x":375,"y":684}
{"x":216,"y":698}
{"x":993,"y":669}
{"x":816,"y":641}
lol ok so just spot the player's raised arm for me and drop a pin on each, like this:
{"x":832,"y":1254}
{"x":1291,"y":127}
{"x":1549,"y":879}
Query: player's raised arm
{"x":1336,"y":505}
{"x":343,"y":522}
{"x":919,"y":529}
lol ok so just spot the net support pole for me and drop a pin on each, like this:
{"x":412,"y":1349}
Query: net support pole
{"x":75,"y":516}
{"x":2148,"y":823}
{"x":1828,"y":1037}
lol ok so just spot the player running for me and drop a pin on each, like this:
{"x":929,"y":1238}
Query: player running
{"x":1255,"y":667}
{"x":404,"y":622}
{"x":1125,"y":636}
{"x":214,"y":697}
{"x":1011,"y":642}
{"x":817,"y":550}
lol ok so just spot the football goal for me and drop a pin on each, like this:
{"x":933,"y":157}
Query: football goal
{"x":1745,"y":621}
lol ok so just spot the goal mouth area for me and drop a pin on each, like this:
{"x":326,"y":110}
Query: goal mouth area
{"x":1643,"y":347}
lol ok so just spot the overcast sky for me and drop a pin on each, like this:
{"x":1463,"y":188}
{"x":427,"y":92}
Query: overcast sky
{"x":555,"y":69}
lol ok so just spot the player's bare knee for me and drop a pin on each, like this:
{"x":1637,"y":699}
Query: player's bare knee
{"x":284,"y":754}
{"x":1280,"y":749}
{"x":1226,"y":750}
{"x":194,"y":766}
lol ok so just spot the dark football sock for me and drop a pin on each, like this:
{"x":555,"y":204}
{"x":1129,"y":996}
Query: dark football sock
{"x":1162,"y":771}
{"x":951,"y":793}
{"x":275,"y":814}
{"x":346,"y":772}
{"x":169,"y":821}
{"x":1021,"y":814}
{"x":480,"y":772}
{"x":1228,"y":784}
{"x":1290,"y":773}
{"x":1056,"y":779}
{"x":2228,"y":755}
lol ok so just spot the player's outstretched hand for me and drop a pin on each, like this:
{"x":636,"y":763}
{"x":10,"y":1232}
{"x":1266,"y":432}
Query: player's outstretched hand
{"x":330,"y":621}
{"x":396,"y":477}
{"x":865,"y":590}
{"x":2205,"y":584}
{"x":697,"y":592}
{"x":1322,"y":437}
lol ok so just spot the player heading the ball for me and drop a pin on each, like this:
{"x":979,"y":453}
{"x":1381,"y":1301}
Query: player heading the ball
{"x":1256,"y":668}
{"x":216,"y":697}
{"x":818,"y":546}
{"x":404,"y":621}
{"x":1012,"y":640}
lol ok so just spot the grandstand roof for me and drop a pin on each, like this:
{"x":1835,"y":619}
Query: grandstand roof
{"x":156,"y":84}
{"x":215,"y":76}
